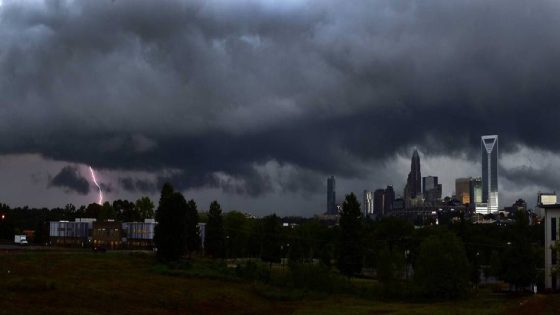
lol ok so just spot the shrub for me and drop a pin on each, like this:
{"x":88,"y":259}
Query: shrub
{"x":442,"y":268}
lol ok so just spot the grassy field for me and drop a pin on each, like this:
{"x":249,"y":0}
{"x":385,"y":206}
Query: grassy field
{"x":70,"y":282}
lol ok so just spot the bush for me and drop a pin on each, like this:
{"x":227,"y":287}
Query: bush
{"x":254,"y":271}
{"x":442,"y":268}
{"x":278,"y":294}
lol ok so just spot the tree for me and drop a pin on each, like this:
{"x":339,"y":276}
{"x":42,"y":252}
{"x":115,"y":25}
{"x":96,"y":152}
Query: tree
{"x":107,"y":212}
{"x":271,"y":239}
{"x":442,"y":268}
{"x":519,"y":265}
{"x":93,"y":210}
{"x":145,"y":208}
{"x":391,"y":265}
{"x":170,"y":235}
{"x":350,"y":257}
{"x":126,"y":211}
{"x":237,"y":231}
{"x":214,"y":240}
{"x":191,"y":227}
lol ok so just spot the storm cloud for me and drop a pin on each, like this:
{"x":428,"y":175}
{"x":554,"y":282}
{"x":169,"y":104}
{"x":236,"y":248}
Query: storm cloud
{"x":70,"y":179}
{"x":258,"y":96}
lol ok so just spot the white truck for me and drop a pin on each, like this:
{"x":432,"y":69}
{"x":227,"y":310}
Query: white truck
{"x":21,"y":240}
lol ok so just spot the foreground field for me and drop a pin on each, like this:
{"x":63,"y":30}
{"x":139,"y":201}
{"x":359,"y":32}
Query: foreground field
{"x":69,"y":282}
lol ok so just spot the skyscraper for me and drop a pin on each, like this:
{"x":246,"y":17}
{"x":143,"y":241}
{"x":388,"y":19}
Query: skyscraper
{"x":463,"y":190}
{"x":489,"y":150}
{"x":367,"y":204}
{"x":331,"y":196}
{"x":379,"y":202}
{"x":414,"y":177}
{"x":389,"y":198}
{"x":431,"y":190}
{"x":413,"y":188}
{"x":475,"y":192}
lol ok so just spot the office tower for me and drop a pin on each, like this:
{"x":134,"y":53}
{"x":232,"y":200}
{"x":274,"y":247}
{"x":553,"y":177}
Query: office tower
{"x":463,"y":190}
{"x":475,"y":193}
{"x":379,"y":202}
{"x":398,"y":204}
{"x":389,"y":197}
{"x":414,"y":177}
{"x":489,"y":150}
{"x":431,"y":190}
{"x":331,"y":196}
{"x":367,"y":205}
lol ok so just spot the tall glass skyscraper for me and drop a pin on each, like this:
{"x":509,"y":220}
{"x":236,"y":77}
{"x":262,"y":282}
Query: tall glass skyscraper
{"x":331,"y":196}
{"x":489,"y":149}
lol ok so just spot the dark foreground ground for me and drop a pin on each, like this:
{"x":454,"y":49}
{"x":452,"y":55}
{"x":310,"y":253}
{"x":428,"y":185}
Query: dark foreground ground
{"x":82,"y":282}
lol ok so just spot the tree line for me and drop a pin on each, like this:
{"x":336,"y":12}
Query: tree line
{"x":16,"y":220}
{"x":446,"y":260}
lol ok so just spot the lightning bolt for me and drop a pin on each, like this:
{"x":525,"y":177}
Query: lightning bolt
{"x":96,"y":184}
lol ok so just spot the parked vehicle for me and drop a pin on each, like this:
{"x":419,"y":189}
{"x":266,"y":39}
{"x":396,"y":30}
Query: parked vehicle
{"x":21,"y":240}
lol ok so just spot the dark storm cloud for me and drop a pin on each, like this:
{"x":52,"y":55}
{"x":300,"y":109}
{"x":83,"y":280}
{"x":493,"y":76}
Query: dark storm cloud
{"x":138,"y":185}
{"x":217,"y":89}
{"x":70,"y":179}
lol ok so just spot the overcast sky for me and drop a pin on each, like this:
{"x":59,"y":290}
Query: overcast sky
{"x":255,"y":102}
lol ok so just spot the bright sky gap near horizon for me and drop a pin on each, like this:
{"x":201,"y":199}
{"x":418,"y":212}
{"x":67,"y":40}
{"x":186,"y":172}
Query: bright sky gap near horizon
{"x":255,"y":103}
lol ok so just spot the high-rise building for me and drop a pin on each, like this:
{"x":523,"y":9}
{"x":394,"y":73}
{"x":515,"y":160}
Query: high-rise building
{"x":389,"y":197}
{"x":367,"y":205}
{"x":489,"y":150}
{"x":413,"y":188}
{"x":414,"y":177}
{"x":431,"y":190}
{"x":475,"y":192}
{"x":331,"y":196}
{"x":379,"y":202}
{"x":463,"y":190}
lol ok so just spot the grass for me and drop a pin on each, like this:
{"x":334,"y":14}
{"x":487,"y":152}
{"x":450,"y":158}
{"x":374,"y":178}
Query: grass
{"x":71,"y":282}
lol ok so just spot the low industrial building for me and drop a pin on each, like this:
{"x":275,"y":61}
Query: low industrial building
{"x":139,"y":234}
{"x":108,"y":235}
{"x":65,"y":233}
{"x":85,"y":232}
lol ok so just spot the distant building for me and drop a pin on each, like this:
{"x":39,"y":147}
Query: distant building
{"x":388,"y":199}
{"x":545,"y":199}
{"x":475,"y":191}
{"x":367,"y":203}
{"x":489,"y":150}
{"x":379,"y":202}
{"x":432,"y":190}
{"x":398,"y":204}
{"x":413,"y":188}
{"x":414,"y":177}
{"x":108,"y":235}
{"x":463,"y":190}
{"x":65,"y":233}
{"x":139,"y":234}
{"x":331,"y":196}
{"x":202,"y":233}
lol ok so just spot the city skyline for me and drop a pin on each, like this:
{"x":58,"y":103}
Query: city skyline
{"x":255,"y":103}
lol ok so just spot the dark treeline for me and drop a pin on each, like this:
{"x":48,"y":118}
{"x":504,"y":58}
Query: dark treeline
{"x":445,"y":261}
{"x":16,"y":220}
{"x":441,"y":261}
